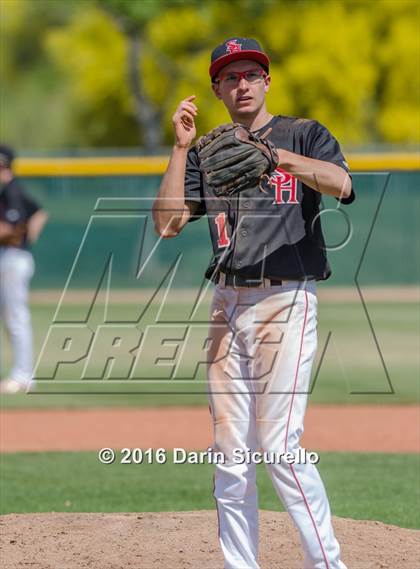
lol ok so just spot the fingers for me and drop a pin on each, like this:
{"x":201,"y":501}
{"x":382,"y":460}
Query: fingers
{"x":190,"y":107}
{"x":186,"y":117}
{"x":187,"y":114}
{"x":183,"y":121}
{"x":187,"y":122}
{"x":186,"y":109}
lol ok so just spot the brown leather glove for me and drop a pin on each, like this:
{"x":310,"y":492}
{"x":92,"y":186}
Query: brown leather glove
{"x":16,"y":238}
{"x":232,"y":159}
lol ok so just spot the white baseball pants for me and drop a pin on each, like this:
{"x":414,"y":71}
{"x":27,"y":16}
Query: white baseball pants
{"x":16,"y":270}
{"x":263,"y":342}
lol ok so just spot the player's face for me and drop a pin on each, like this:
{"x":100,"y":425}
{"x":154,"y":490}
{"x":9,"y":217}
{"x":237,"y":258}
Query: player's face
{"x":242,"y":86}
{"x":5,"y":175}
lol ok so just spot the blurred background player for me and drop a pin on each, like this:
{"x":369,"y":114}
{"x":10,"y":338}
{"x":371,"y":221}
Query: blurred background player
{"x":21,"y":222}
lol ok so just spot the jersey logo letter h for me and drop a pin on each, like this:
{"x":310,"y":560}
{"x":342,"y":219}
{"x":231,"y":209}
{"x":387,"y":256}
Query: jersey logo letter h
{"x":284,"y":182}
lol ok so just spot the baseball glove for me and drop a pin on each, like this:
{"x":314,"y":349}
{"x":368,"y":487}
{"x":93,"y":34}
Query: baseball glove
{"x":232,"y":159}
{"x":16,"y":237}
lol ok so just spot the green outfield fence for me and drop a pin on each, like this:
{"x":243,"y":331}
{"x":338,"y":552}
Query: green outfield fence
{"x":100,"y":212}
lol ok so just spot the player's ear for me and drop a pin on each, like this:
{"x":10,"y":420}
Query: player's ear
{"x":267,"y":82}
{"x":216,"y":89}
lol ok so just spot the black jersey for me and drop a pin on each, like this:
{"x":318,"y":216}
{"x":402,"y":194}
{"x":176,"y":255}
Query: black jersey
{"x":16,"y":207}
{"x":276,"y":234}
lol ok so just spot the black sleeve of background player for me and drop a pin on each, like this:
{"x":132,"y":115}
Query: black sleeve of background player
{"x":31,"y":205}
{"x":18,"y":206}
{"x":194,"y":184}
{"x":323,"y":146}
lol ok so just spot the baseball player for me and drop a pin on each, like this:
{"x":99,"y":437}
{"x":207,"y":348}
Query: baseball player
{"x":21,"y":222}
{"x":269,"y":252}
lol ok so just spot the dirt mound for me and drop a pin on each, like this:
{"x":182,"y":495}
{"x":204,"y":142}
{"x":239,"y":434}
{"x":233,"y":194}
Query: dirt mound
{"x":178,"y":540}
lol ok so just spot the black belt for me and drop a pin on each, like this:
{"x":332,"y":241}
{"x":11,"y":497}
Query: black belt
{"x":230,"y":279}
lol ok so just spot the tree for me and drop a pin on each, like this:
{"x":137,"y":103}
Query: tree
{"x":132,"y":18}
{"x":31,"y":87}
{"x":111,"y":72}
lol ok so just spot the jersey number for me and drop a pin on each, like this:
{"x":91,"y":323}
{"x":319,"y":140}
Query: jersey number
{"x":220,"y":221}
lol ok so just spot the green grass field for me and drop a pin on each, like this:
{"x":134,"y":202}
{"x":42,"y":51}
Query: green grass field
{"x":380,"y":487}
{"x":361,"y":486}
{"x":351,"y":372}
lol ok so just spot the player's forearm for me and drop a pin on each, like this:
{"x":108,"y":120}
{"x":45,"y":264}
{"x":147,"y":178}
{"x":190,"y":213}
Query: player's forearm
{"x":324,"y":177}
{"x":36,"y":225}
{"x":169,"y":209}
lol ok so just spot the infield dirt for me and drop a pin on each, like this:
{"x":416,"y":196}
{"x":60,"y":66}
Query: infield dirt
{"x":364,"y":428}
{"x":184,"y":540}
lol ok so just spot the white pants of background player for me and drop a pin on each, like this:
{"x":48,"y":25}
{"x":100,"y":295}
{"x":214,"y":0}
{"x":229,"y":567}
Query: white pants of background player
{"x":263,"y":342}
{"x":16,"y":270}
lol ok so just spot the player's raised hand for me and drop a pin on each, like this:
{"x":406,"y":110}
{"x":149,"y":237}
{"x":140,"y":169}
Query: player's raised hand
{"x":183,"y":121}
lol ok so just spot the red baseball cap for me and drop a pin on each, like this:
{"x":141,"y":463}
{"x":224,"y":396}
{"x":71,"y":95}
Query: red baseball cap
{"x":235,"y":49}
